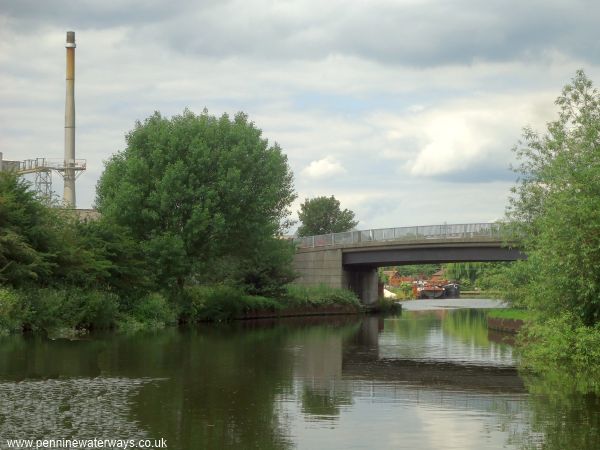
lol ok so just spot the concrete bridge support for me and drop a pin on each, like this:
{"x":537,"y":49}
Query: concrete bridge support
{"x":315,"y":267}
{"x":364,"y":282}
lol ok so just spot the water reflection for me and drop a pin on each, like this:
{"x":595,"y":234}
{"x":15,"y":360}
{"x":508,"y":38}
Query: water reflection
{"x":421,"y":380}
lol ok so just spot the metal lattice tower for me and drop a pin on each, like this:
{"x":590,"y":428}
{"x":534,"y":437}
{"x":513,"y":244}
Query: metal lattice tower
{"x":43,"y":184}
{"x":42,"y":169}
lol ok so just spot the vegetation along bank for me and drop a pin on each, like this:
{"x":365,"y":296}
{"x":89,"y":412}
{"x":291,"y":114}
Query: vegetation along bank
{"x":192,"y":212}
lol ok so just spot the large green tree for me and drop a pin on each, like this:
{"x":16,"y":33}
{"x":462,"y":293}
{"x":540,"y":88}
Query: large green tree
{"x":321,"y":215}
{"x":205,"y":197}
{"x":556,"y":206}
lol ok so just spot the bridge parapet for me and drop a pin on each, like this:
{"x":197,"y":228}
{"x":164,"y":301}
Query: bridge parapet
{"x":450,"y":232}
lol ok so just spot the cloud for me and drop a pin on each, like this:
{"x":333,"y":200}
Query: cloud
{"x":429,"y":33}
{"x":465,"y":137}
{"x":325,"y":167}
{"x":401,"y":109}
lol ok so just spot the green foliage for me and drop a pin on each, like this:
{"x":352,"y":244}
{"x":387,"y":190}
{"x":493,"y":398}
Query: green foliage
{"x":561,"y":343}
{"x":125,"y":269}
{"x":416,"y":270}
{"x":198,"y":192}
{"x":505,"y":278}
{"x":26,"y":234}
{"x":12,"y":311}
{"x":556,"y":207}
{"x":43,"y":246}
{"x":387,"y":305}
{"x":465,"y":272}
{"x":403,"y":292}
{"x":268,"y":270}
{"x":55,"y":310}
{"x":151,"y":312}
{"x":383,"y":278}
{"x":509,"y":313}
{"x":320,"y":295}
{"x":221,"y":303}
{"x":322,"y":215}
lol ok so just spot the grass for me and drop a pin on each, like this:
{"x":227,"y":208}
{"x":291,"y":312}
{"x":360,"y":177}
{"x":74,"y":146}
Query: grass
{"x":65,"y":312}
{"x":509,"y":313}
{"x":220,"y":303}
{"x":319,"y":295}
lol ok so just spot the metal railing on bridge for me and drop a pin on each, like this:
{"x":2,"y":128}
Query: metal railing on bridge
{"x":404,"y":234}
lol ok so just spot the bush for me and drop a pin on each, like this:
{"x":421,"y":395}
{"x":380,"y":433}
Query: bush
{"x":387,"y":305}
{"x":563,"y":343}
{"x":53,"y":310}
{"x":12,"y":311}
{"x":320,"y":295}
{"x":403,"y":292}
{"x":150,"y":312}
{"x":221,"y":302}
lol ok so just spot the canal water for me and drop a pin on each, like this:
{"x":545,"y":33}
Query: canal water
{"x":432,"y":379}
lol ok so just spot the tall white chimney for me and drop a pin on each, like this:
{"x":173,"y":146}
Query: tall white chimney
{"x":69,"y":167}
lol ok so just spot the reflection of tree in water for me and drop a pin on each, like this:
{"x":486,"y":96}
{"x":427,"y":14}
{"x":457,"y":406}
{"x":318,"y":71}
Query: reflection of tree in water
{"x":223,"y":391}
{"x":413,"y":325}
{"x":324,"y":405}
{"x":468,"y":325}
{"x":562,"y":412}
{"x":318,"y":369}
{"x":221,"y":387}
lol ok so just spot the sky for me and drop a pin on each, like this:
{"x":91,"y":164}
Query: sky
{"x":406,"y":111}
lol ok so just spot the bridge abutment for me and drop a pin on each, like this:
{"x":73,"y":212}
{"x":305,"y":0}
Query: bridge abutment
{"x":324,"y":266}
{"x":319,"y":267}
{"x":364,"y":282}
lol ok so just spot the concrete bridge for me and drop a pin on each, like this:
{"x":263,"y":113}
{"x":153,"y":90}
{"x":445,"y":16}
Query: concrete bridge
{"x":350,"y":260}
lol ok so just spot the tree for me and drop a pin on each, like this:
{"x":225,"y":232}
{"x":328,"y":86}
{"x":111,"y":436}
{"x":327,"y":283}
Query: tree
{"x":202,"y":195}
{"x":322,"y":215}
{"x":42,"y":246}
{"x":25,"y":233}
{"x":555,"y":208}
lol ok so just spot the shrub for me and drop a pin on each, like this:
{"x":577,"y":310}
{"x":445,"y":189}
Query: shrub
{"x":387,"y":305}
{"x":403,"y":292}
{"x":154,"y":309}
{"x":12,"y":311}
{"x":319,"y":295}
{"x":150,"y":312}
{"x":220,"y":303}
{"x":562,"y":343}
{"x":69,"y":309}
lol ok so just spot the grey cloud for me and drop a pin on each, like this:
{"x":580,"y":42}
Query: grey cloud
{"x":479,"y":173}
{"x":89,"y":13}
{"x":431,"y":34}
{"x":426,"y":34}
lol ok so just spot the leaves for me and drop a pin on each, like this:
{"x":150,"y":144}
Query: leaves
{"x":556,"y":206}
{"x":322,"y":215}
{"x":195,"y":190}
